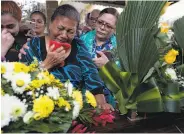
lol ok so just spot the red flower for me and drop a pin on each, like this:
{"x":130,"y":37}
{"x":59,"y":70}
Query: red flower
{"x":105,"y":117}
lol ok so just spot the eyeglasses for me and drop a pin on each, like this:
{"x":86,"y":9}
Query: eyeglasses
{"x":106,"y":25}
{"x":93,"y":19}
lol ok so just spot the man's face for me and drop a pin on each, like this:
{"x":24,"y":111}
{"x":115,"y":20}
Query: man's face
{"x":92,"y":19}
{"x":10,"y":23}
{"x":63,"y":29}
{"x":105,"y":26}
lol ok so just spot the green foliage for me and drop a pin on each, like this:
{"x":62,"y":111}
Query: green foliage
{"x":135,"y":36}
{"x":179,"y":31}
{"x":139,"y":45}
{"x":6,"y":86}
{"x":58,"y":122}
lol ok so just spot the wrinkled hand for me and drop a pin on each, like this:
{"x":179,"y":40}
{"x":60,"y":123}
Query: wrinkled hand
{"x":102,"y":60}
{"x":101,"y":102}
{"x":7,"y":41}
{"x":55,"y":58}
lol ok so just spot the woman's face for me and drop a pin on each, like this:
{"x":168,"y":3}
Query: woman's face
{"x":10,"y":23}
{"x":39,"y":24}
{"x":105,"y":26}
{"x":63,"y":29}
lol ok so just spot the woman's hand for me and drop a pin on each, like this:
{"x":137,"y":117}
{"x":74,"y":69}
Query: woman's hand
{"x":55,"y":58}
{"x":7,"y":41}
{"x":102,"y":60}
{"x":22,"y":50}
{"x":101,"y":102}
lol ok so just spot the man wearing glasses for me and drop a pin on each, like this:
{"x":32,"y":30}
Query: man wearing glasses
{"x":102,"y":39}
{"x":91,"y":21}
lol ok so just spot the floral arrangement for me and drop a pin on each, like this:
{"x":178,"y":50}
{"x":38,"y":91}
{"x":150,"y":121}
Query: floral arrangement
{"x":150,"y":76}
{"x":33,"y":100}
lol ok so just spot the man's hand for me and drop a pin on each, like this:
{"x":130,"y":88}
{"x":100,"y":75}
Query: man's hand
{"x":55,"y":58}
{"x":101,"y":61}
{"x":101,"y":102}
{"x":7,"y":41}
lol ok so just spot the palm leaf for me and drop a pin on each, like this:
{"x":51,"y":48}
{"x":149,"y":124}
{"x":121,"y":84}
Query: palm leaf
{"x":136,"y":46}
{"x":179,"y":31}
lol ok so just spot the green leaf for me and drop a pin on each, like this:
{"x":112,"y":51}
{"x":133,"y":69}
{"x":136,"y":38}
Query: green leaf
{"x":179,"y":31}
{"x":121,"y":102}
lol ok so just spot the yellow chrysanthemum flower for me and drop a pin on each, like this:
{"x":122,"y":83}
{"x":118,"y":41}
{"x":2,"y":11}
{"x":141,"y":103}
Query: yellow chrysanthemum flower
{"x":78,"y":97}
{"x":20,"y":67}
{"x":90,"y":99}
{"x":170,"y":57}
{"x":2,"y":92}
{"x":164,"y":28}
{"x":33,"y":67}
{"x":3,"y":69}
{"x":63,"y":103}
{"x":43,"y":107}
{"x":165,"y":7}
{"x":36,"y":84}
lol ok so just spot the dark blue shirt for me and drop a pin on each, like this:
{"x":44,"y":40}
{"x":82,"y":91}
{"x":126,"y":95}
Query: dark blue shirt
{"x":79,"y":67}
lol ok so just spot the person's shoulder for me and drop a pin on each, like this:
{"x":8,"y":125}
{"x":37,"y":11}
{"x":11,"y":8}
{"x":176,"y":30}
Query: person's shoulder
{"x":113,"y":40}
{"x":36,"y":41}
{"x":88,"y":34}
{"x":79,"y":43}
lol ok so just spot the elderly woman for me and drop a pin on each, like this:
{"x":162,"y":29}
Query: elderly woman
{"x":11,"y":39}
{"x":78,"y":68}
{"x":102,"y":39}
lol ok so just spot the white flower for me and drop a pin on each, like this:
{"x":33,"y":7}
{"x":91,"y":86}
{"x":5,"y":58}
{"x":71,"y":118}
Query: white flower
{"x":76,"y":109}
{"x":18,"y":108}
{"x":29,"y":93}
{"x":36,"y":94}
{"x":11,"y":109}
{"x":53,"y":93}
{"x":24,"y":100}
{"x":9,"y":70}
{"x":69,"y":86}
{"x":173,"y":13}
{"x":40,"y":76}
{"x":8,"y":76}
{"x":9,"y":66}
{"x":170,"y":33}
{"x":171,"y":73}
{"x":20,"y":81}
{"x":28,"y":117}
{"x":5,"y":111}
{"x":5,"y":118}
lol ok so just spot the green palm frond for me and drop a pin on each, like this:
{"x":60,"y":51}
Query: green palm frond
{"x":179,"y":31}
{"x":136,"y":46}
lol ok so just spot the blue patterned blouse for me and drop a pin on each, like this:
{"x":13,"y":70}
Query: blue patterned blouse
{"x":79,"y":68}
{"x":90,"y":43}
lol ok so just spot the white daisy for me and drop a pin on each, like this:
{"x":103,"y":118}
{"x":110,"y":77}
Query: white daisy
{"x":76,"y":109}
{"x":69,"y":86}
{"x":5,"y":111}
{"x":28,"y":117}
{"x":20,"y":81}
{"x":5,"y":118}
{"x":9,"y":66}
{"x":53,"y":92}
{"x":8,"y":76}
